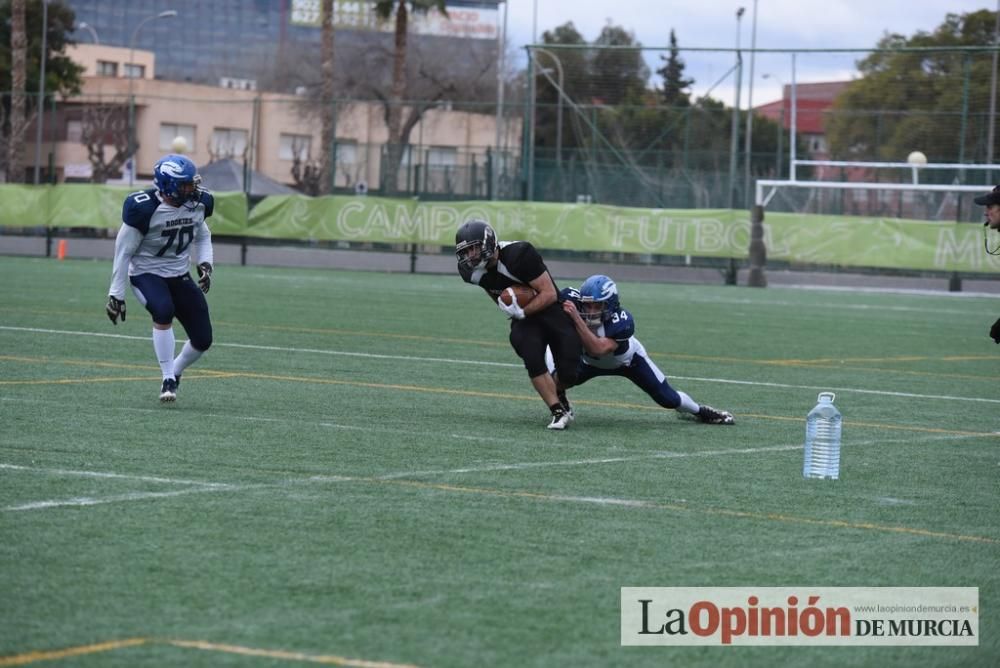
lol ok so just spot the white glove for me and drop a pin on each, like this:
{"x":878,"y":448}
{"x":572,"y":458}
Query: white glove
{"x":513,"y":311}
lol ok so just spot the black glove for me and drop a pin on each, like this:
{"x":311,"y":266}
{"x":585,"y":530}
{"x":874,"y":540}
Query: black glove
{"x":115,"y":308}
{"x":995,"y":331}
{"x":204,"y":276}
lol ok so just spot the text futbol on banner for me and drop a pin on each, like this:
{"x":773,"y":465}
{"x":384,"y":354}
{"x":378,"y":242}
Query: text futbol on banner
{"x":800,"y":616}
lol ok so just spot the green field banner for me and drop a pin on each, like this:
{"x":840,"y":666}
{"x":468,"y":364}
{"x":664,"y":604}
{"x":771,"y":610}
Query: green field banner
{"x":889,"y":243}
{"x":849,"y":241}
{"x":795,"y":238}
{"x":580,"y":227}
{"x":96,"y":206}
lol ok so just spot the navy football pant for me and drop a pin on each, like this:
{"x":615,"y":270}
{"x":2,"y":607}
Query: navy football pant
{"x":644,"y":373}
{"x":177,"y":297}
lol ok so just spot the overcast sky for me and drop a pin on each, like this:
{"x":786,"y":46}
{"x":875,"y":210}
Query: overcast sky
{"x":713,"y":23}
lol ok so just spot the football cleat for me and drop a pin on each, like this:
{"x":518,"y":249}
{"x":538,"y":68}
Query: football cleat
{"x":560,"y":419}
{"x":168,"y":391}
{"x":710,"y":415}
{"x":567,"y":406}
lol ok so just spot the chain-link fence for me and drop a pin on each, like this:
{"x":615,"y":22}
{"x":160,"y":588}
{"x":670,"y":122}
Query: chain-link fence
{"x":609,"y":124}
{"x":599,"y":132}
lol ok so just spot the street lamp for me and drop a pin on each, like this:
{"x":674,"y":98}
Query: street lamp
{"x":748,"y":136}
{"x":93,"y":33}
{"x":41,"y":89}
{"x":734,"y":134}
{"x":559,"y":98}
{"x":170,"y":13}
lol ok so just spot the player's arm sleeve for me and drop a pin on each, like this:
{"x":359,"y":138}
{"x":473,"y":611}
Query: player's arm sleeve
{"x":126,"y":243}
{"x":203,"y":250}
{"x":622,"y":331}
{"x":208,"y":199}
{"x":569,"y":295}
{"x":526,"y":264}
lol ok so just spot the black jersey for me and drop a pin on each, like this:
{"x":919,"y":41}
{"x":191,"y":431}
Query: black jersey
{"x":518,"y":263}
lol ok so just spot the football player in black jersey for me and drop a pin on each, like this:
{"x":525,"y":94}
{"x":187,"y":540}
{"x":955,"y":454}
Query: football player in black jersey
{"x":991,"y":201}
{"x":495,"y":266}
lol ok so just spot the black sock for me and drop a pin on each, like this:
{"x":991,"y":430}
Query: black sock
{"x":556,"y":408}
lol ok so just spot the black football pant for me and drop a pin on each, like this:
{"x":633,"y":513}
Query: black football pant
{"x":551,"y":328}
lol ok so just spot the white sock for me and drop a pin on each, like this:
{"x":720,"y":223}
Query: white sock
{"x":163,"y":345}
{"x":189,"y":355}
{"x":688,"y":404}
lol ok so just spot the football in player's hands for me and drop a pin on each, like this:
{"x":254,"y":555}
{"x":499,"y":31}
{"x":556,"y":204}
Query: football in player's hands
{"x":520,"y":293}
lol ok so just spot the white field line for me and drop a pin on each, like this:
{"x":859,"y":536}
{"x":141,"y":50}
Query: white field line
{"x":206,"y":486}
{"x":485,"y":468}
{"x":662,"y":454}
{"x":441,"y":360}
{"x":280,"y":349}
{"x":102,"y":474}
{"x":115,"y":498}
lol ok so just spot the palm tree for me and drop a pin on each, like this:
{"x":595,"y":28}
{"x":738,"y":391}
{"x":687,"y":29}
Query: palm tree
{"x":18,"y":49}
{"x":384,"y":9}
{"x":328,"y":133}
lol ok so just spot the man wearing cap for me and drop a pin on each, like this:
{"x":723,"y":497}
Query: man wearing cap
{"x":991,"y":201}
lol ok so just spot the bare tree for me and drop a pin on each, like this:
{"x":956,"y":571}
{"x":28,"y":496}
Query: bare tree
{"x":306,"y":173}
{"x":103,"y":125}
{"x":18,"y":49}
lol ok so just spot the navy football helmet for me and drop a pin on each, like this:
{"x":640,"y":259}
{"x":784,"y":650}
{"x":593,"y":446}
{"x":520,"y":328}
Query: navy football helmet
{"x":598,"y":297}
{"x":475,"y":244}
{"x":177,"y":178}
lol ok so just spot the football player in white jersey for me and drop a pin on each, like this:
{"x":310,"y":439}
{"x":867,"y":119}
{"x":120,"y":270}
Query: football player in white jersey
{"x":153,"y":252}
{"x":610,"y":348}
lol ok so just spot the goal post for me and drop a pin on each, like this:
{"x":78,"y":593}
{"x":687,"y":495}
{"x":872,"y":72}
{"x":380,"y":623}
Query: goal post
{"x":902,"y":196}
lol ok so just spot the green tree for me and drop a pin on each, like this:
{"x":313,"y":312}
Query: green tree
{"x":576,"y":84}
{"x":933,"y":101}
{"x":62,"y":75}
{"x":618,"y":74}
{"x":675,"y":85}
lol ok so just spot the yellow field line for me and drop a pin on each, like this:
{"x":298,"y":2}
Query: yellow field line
{"x":328,"y":659}
{"x":474,"y":393}
{"x":50,"y":655}
{"x":774,"y":517}
{"x":382,"y":335}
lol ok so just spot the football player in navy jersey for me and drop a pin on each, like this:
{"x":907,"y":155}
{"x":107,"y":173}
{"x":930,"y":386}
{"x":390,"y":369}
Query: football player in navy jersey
{"x":153,"y":252}
{"x":495,"y":266}
{"x":610,"y":348}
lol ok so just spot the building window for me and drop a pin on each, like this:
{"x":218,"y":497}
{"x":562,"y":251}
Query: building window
{"x":170,"y":131}
{"x":106,"y":68}
{"x":74,"y":131}
{"x":228,"y":143}
{"x":347,"y":152}
{"x":133,"y":71}
{"x":442,"y":156}
{"x":293,"y":146}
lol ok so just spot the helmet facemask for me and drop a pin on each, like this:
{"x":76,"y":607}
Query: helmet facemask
{"x":598,"y":297}
{"x":476,"y":253}
{"x":592,"y":312}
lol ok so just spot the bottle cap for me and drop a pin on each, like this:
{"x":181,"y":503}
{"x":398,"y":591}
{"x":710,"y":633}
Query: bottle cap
{"x":826,"y":396}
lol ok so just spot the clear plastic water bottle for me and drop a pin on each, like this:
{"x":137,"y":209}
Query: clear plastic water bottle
{"x":823,"y":439}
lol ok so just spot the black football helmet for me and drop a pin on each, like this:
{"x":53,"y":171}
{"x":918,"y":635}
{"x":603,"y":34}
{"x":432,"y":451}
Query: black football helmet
{"x":475,"y":244}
